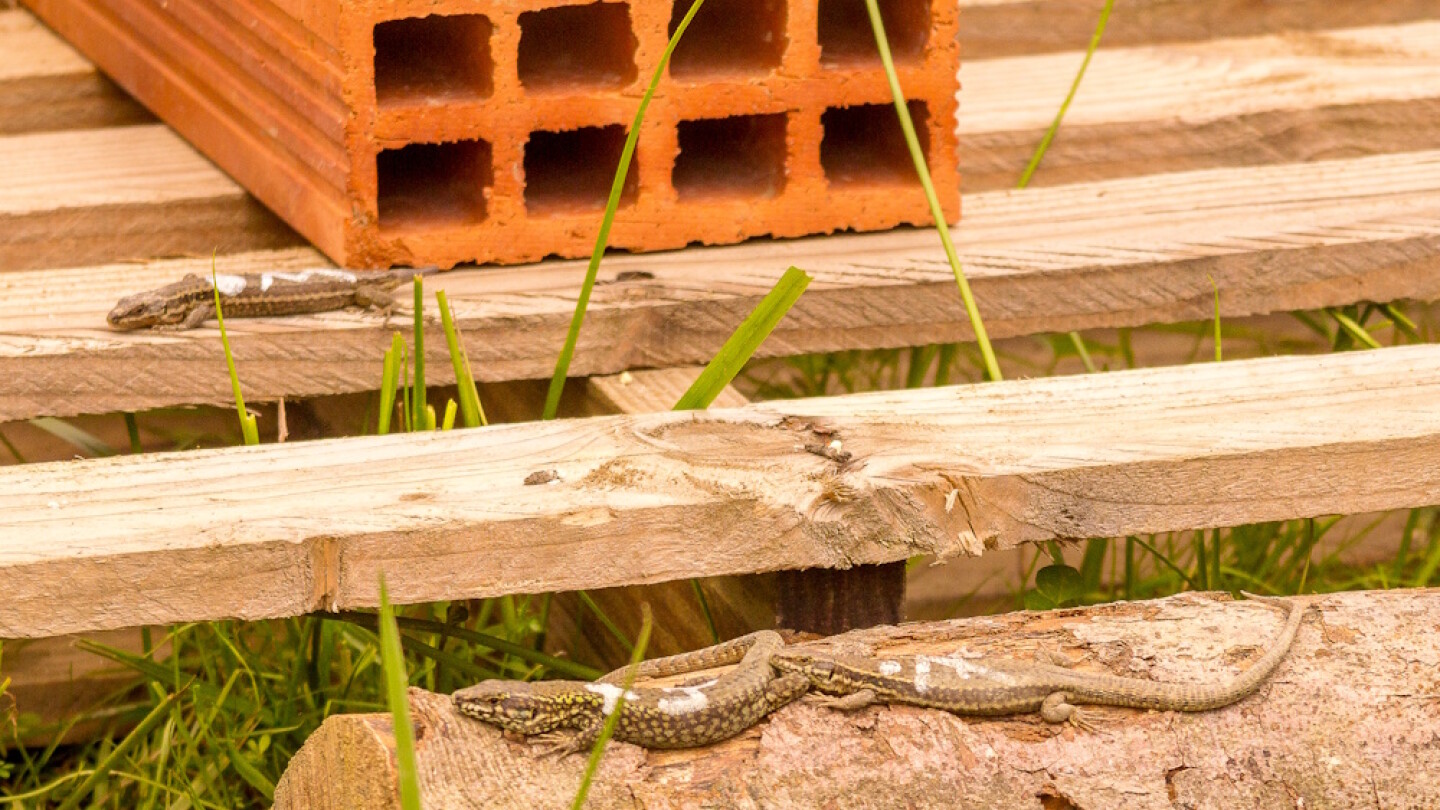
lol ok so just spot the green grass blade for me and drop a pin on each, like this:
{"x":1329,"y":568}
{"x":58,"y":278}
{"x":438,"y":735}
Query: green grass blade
{"x":613,"y":719}
{"x":132,"y":432}
{"x":1082,"y":351}
{"x":247,"y":419}
{"x":987,"y":353}
{"x":70,"y":434}
{"x":471,"y":411}
{"x":392,"y":662}
{"x":1353,"y":329}
{"x":390,"y":383}
{"x":1069,"y":97}
{"x":449,"y":420}
{"x":529,"y":656}
{"x":136,"y":735}
{"x":14,"y":452}
{"x":567,"y":352}
{"x":737,"y":351}
{"x":419,"y":418}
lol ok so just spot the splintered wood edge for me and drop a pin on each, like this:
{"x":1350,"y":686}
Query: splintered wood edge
{"x":1106,"y":254}
{"x":280,"y":530}
{"x":1350,"y":681}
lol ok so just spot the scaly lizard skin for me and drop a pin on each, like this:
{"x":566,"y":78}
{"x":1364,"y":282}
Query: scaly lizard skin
{"x":190,"y":301}
{"x":676,"y":717}
{"x":988,"y":686}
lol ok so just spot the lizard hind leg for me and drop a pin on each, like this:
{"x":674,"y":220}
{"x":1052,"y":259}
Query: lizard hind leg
{"x":1057,"y":708}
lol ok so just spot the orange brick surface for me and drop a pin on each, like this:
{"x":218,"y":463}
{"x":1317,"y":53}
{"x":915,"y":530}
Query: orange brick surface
{"x":415,"y":132}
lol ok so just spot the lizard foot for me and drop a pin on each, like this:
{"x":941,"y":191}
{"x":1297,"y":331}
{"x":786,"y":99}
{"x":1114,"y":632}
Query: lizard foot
{"x":556,"y":743}
{"x":1058,"y":709}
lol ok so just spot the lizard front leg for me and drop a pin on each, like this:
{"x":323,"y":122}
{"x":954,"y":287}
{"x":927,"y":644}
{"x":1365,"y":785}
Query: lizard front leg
{"x":849,"y":703}
{"x":1058,"y":709}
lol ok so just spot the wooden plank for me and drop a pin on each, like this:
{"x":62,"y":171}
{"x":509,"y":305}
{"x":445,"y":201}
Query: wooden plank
{"x":46,"y":85}
{"x":280,"y":530}
{"x":998,"y":28}
{"x":85,"y":196}
{"x":1115,"y":253}
{"x":1359,"y":677}
{"x":1236,"y":102}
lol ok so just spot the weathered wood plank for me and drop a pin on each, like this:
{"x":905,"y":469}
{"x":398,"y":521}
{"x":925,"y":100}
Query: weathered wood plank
{"x":84,"y":196}
{"x":280,"y":530}
{"x":46,"y":85}
{"x":1358,"y":678}
{"x":1115,"y":253}
{"x":998,"y":28}
{"x":1284,"y":97}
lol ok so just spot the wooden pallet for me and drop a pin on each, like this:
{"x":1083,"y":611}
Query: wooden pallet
{"x":1297,"y":178}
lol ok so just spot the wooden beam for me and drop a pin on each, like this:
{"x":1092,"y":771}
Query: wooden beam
{"x":281,"y":530}
{"x":998,"y":28}
{"x":1280,"y":98}
{"x":1351,"y":679}
{"x":84,"y":196}
{"x":1115,"y":253}
{"x":46,"y":85}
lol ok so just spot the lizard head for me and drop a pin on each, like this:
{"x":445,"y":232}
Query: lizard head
{"x":165,"y":306}
{"x":821,"y":670}
{"x":524,"y":707}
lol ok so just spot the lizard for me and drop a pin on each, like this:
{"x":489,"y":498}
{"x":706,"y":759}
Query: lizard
{"x":190,"y":301}
{"x":685,"y":716}
{"x":993,"y":686}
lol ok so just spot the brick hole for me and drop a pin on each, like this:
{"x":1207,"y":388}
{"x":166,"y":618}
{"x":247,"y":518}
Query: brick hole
{"x":728,"y":37}
{"x":423,"y":185}
{"x":433,"y":57}
{"x":864,"y":145}
{"x":572,"y":171}
{"x":577,"y":47}
{"x":846,"y":38}
{"x":740,"y":156}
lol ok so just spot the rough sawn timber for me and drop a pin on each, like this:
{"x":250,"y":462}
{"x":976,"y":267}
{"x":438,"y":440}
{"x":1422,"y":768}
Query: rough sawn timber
{"x":1349,"y":720}
{"x":1107,"y":254}
{"x":281,"y":530}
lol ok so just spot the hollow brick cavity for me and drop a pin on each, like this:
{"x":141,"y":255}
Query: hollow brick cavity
{"x":571,"y":172}
{"x":434,"y":185}
{"x":846,"y":39}
{"x":864,"y":145}
{"x":728,"y":37}
{"x":437,"y":57}
{"x":577,"y":48}
{"x":742,"y":156}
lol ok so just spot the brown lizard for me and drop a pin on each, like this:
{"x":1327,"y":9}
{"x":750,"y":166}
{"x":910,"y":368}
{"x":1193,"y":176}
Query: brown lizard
{"x":686,"y":716}
{"x":991,"y":686}
{"x":190,"y":301}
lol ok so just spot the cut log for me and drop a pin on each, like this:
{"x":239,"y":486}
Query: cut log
{"x":1349,"y":720}
{"x":281,"y":530}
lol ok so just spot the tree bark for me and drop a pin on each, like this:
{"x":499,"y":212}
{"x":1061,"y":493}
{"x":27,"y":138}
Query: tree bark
{"x":1351,"y":720}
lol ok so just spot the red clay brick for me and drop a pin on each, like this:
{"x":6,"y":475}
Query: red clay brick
{"x":439,"y":131}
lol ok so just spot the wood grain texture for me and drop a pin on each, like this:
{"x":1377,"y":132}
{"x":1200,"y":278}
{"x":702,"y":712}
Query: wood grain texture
{"x":1356,"y":687}
{"x":999,"y":28}
{"x":82,"y":196}
{"x":1114,"y":253}
{"x":737,"y":604}
{"x":280,"y":530}
{"x":46,"y":85}
{"x":1285,"y":97}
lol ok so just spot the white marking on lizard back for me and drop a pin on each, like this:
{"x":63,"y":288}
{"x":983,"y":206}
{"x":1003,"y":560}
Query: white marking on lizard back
{"x":691,"y":698}
{"x":890,"y":667}
{"x":611,"y":695}
{"x":922,"y":674}
{"x":966,"y":669}
{"x":267,"y":279}
{"x":228,"y":284}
